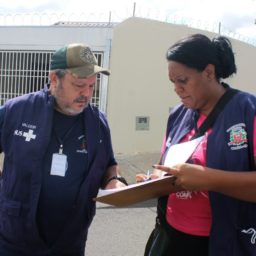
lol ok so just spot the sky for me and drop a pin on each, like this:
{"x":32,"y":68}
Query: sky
{"x":235,"y":16}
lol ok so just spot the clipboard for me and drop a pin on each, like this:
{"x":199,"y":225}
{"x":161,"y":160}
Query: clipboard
{"x":138,"y":192}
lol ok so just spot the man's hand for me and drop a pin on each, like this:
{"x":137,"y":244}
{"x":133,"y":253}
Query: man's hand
{"x":114,"y":184}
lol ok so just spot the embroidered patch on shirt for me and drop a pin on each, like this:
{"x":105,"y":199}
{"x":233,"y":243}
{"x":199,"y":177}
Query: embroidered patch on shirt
{"x":83,"y":145}
{"x":237,"y":137}
{"x":252,"y":234}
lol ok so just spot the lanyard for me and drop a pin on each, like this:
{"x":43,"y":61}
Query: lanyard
{"x":62,"y":139}
{"x":209,"y":121}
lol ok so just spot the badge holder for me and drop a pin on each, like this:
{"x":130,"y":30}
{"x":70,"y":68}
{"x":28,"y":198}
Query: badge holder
{"x":59,"y":163}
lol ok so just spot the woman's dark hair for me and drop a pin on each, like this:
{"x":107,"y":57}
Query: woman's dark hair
{"x":197,"y":51}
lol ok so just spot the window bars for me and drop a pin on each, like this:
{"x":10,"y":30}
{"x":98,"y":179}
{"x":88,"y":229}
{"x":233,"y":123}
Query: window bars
{"x":27,"y":71}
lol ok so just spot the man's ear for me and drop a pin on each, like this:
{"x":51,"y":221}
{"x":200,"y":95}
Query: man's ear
{"x":53,"y":77}
{"x":53,"y":81}
{"x":210,"y":72}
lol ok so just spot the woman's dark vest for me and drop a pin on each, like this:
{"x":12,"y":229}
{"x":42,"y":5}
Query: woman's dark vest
{"x":230,"y":148}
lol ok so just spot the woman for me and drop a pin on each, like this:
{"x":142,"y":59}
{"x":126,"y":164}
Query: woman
{"x":221,"y":222}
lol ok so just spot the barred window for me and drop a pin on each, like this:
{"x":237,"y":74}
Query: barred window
{"x":27,"y":71}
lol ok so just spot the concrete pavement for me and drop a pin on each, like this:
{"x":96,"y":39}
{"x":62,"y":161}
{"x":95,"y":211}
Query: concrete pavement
{"x":124,"y":231}
{"x":121,"y":231}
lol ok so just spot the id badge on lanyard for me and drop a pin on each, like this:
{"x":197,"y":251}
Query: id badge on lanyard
{"x":59,"y":164}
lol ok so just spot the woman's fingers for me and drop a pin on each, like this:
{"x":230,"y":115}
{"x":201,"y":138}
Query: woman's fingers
{"x":169,"y":170}
{"x":140,"y":177}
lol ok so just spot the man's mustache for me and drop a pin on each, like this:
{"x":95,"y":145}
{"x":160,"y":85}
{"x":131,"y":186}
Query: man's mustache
{"x":81,"y":99}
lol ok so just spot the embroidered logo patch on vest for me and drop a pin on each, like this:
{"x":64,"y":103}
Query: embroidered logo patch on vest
{"x":28,"y":135}
{"x":237,"y":137}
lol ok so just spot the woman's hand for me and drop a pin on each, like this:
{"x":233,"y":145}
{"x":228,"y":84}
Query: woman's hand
{"x":240,"y":185}
{"x":188,"y":176}
{"x":141,"y":177}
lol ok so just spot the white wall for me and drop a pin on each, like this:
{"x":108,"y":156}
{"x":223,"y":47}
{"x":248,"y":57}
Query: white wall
{"x":139,"y":84}
{"x":50,"y":38}
{"x":53,"y":37}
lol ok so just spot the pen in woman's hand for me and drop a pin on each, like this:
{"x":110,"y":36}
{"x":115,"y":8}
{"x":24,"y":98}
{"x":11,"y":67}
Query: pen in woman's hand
{"x":141,"y":177}
{"x":148,"y":175}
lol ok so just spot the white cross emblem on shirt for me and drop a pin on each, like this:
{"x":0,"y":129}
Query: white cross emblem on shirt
{"x":29,"y":135}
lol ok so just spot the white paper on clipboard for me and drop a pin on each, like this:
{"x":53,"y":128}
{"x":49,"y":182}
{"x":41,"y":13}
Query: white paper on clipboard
{"x":180,"y":153}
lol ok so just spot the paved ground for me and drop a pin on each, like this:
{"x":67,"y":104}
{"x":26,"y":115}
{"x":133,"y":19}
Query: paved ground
{"x":123,"y":231}
{"x":132,"y":164}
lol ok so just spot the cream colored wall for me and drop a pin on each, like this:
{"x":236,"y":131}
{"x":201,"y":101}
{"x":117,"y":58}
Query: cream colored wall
{"x":139,"y":86}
